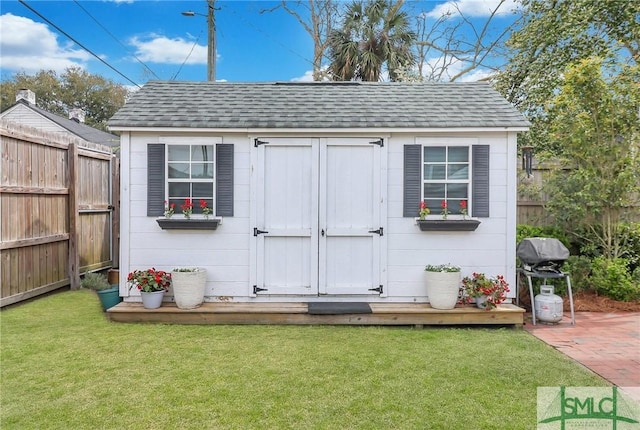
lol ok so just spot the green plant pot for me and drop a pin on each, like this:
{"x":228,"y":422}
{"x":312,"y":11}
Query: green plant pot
{"x":109,"y":297}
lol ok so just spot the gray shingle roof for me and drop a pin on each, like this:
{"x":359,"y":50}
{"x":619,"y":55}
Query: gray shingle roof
{"x":83,"y":131}
{"x":316,"y":105}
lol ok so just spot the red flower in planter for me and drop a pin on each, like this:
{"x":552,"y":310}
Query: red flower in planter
{"x":424,"y":210}
{"x":445,"y":209}
{"x":205,"y":209}
{"x":149,"y":280}
{"x":463,"y":208}
{"x":187,"y":208}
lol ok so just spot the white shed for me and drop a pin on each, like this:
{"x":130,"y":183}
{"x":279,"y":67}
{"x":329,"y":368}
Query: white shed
{"x":315,"y":187}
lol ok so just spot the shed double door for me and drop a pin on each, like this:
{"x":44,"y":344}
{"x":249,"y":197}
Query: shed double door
{"x":318,"y":214}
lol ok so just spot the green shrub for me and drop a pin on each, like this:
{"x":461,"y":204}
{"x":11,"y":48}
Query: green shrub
{"x":628,"y":237}
{"x":613,"y":279}
{"x":631,"y":244}
{"x":95,"y":281}
{"x":524,"y":230}
{"x":579,"y":269}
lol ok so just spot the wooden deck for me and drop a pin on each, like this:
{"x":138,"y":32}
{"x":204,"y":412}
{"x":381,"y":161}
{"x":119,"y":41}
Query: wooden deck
{"x":417,"y":314}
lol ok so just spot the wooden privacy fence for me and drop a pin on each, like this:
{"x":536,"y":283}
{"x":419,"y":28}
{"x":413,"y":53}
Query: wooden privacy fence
{"x":56,"y":211}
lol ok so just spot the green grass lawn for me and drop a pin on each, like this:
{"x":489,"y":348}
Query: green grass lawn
{"x":64,"y":366}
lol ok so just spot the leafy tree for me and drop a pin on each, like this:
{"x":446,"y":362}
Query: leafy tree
{"x":100,"y":98}
{"x":594,"y":118}
{"x":374,"y":35}
{"x":555,"y":34}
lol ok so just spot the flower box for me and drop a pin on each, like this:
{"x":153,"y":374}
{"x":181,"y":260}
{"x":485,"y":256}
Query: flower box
{"x":448,"y":224}
{"x":188,"y":224}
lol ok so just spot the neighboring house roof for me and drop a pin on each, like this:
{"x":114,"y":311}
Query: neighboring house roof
{"x":336,"y":105}
{"x":81,"y":130}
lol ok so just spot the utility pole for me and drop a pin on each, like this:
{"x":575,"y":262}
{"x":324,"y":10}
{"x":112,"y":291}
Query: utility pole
{"x":211,"y":38}
{"x":211,"y":45}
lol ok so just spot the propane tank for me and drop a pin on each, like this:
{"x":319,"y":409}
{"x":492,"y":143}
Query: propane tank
{"x":548,"y":305}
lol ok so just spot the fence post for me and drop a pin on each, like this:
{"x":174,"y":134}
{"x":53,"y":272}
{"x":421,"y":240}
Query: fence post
{"x":74,"y":215}
{"x":115,"y":214}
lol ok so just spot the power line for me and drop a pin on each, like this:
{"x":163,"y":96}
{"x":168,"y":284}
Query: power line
{"x":115,"y":38}
{"x":76,"y":42}
{"x":173,"y":78}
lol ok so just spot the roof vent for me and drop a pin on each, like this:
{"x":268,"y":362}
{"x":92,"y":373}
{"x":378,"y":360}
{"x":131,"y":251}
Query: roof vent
{"x":26,"y":95}
{"x":77,"y":115}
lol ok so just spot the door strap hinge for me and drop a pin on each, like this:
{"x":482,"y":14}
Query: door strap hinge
{"x":379,"y":231}
{"x":257,"y":289}
{"x":379,"y":289}
{"x":257,"y":142}
{"x":379,"y":142}
{"x":256,"y":232}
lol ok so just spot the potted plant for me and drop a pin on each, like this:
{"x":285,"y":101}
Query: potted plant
{"x":189,"y":221}
{"x":188,"y":286}
{"x":107,"y":293}
{"x":152,"y":285}
{"x":443,"y":285}
{"x":460,"y":221}
{"x":487,"y":292}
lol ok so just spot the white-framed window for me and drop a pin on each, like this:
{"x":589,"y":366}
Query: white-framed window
{"x":190,"y":175}
{"x":446,"y":177}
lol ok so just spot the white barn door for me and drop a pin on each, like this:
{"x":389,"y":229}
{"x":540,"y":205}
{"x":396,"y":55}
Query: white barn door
{"x":287,"y":217}
{"x":319,"y":215}
{"x":350,"y":221}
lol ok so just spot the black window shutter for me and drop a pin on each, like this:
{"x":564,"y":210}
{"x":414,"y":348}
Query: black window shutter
{"x":480,"y":181}
{"x":224,"y":180}
{"x":412,"y":180}
{"x":155,"y":179}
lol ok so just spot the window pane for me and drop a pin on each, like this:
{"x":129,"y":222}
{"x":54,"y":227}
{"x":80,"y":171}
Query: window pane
{"x":201,"y":190}
{"x":179,"y":190}
{"x":202,"y":153}
{"x":434,"y":171}
{"x":457,"y":191}
{"x":434,"y":205}
{"x":458,"y":154}
{"x":434,"y":154}
{"x":458,"y":171}
{"x":434,"y":191}
{"x":178,"y":170}
{"x":455,"y":207}
{"x":202,"y":170}
{"x":178,"y":153}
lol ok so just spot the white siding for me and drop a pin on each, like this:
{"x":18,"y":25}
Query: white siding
{"x":25,"y":116}
{"x":225,"y":253}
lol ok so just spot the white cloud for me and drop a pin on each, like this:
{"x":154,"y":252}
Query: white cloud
{"x":161,"y":49}
{"x":472,"y":8}
{"x":452,"y":69}
{"x":30,"y":46}
{"x":307,"y":77}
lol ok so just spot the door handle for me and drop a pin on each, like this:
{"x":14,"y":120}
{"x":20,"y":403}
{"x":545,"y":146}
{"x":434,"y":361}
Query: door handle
{"x":379,"y":231}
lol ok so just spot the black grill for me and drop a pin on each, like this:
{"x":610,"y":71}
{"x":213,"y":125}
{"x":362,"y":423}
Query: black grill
{"x":542,"y":254}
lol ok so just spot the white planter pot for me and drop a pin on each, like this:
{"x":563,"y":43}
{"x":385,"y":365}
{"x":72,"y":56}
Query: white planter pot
{"x":442,"y":289}
{"x":152,"y":300}
{"x":188,"y":288}
{"x":481,"y":302}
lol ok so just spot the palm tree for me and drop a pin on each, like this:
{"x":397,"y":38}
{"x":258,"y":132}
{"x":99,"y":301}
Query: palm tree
{"x":373,"y":34}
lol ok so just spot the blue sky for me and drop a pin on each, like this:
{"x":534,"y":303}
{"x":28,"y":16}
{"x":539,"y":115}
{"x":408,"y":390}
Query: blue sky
{"x":147,"y":39}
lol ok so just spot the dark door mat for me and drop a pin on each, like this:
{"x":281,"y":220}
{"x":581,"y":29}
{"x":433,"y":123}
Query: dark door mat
{"x":338,"y":308}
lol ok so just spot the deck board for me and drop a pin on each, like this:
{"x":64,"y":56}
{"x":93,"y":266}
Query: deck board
{"x":296,"y":313}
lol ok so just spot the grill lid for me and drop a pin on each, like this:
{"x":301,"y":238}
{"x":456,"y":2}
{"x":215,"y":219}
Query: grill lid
{"x":539,"y":252}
